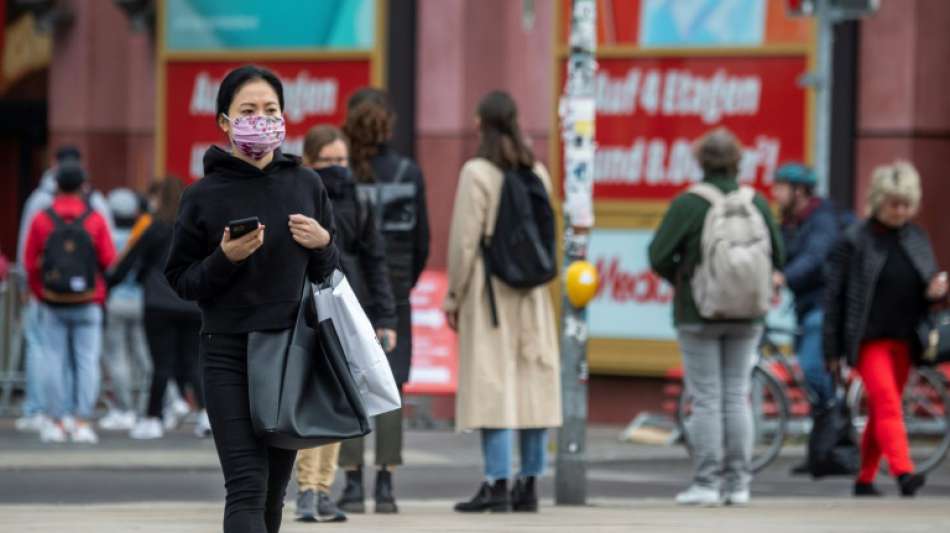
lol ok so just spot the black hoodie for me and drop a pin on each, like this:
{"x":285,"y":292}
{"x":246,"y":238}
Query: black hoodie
{"x":262,"y":292}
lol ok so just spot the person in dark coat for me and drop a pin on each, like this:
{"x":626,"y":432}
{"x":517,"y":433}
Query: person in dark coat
{"x":881,"y":278}
{"x":395,"y":186}
{"x":364,"y":263}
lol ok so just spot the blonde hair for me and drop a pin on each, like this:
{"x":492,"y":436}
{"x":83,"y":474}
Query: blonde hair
{"x":899,"y":180}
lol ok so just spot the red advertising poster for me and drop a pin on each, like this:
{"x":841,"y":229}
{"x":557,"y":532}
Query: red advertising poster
{"x":434,"y":346}
{"x":315,"y":92}
{"x":650,"y":110}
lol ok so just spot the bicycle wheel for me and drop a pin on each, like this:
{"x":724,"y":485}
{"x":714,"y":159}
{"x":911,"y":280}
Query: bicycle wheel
{"x":770,"y":416}
{"x":926,"y":416}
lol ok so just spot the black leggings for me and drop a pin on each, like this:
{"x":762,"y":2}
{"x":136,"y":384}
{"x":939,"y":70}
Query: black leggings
{"x":173,"y":344}
{"x":255,"y":475}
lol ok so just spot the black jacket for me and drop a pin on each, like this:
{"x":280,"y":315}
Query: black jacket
{"x":807,"y":245}
{"x":262,"y":292}
{"x":148,"y":256}
{"x":361,"y":249}
{"x":854,"y":268}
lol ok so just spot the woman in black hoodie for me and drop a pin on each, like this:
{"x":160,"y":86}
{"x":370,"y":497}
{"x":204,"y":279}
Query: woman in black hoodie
{"x":248,"y":283}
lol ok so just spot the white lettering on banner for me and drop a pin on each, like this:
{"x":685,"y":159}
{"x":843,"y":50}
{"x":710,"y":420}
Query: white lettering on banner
{"x":655,"y":162}
{"x":679,"y":93}
{"x":303,"y":96}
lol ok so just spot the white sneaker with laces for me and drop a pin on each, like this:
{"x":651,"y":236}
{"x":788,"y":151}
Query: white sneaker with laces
{"x":738,"y":498}
{"x":203,"y":427}
{"x":117,"y":421}
{"x":52,"y":433}
{"x":83,"y":434}
{"x":147,"y":429}
{"x":31,"y":424}
{"x":699,"y":496}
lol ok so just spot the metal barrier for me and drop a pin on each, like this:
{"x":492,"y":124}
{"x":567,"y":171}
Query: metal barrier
{"x":12,"y":378}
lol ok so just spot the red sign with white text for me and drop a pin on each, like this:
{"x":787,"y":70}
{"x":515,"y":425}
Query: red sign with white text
{"x":434,"y":345}
{"x":651,"y":110}
{"x":315,"y":92}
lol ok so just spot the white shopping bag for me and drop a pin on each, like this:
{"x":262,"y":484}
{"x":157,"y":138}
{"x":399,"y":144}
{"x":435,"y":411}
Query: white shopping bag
{"x":374,"y":378}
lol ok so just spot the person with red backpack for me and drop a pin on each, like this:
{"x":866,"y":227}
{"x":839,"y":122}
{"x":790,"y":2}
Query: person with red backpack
{"x":68,"y":248}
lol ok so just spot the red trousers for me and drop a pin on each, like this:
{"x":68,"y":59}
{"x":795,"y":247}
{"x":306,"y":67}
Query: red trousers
{"x":884,"y":366}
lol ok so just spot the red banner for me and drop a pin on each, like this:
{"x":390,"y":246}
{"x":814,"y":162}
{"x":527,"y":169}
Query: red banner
{"x":650,"y":110}
{"x":434,"y":345}
{"x":315,"y":92}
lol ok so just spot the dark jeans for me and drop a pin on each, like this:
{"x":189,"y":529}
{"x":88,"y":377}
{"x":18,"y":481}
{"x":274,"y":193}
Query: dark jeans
{"x":173,"y":344}
{"x":388,"y":436}
{"x":255,"y":475}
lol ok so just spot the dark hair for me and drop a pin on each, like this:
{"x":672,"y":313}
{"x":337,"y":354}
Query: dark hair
{"x":168,"y":191}
{"x":240,"y":77}
{"x":318,"y":137}
{"x":369,"y":123}
{"x":70,"y":177}
{"x":68,"y":153}
{"x":501,"y":139}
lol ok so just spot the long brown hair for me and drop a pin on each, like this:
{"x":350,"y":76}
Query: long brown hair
{"x":318,"y":137}
{"x":501,"y":139}
{"x":369,"y":123}
{"x":168,"y":192}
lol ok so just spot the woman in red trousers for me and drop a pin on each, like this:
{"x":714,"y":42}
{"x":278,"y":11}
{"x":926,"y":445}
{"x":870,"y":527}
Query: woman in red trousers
{"x":882,"y":277}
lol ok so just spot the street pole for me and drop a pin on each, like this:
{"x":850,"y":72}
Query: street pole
{"x":577,"y":112}
{"x":823,"y":84}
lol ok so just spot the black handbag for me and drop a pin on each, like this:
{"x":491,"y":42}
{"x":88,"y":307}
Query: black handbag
{"x":833,"y":443}
{"x":302,"y":394}
{"x":935,"y":338}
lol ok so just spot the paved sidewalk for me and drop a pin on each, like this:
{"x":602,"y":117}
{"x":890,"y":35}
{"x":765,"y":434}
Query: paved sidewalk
{"x":607,"y":516}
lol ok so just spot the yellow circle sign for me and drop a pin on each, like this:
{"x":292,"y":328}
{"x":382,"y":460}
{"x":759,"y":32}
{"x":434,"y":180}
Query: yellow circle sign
{"x":581,"y":281}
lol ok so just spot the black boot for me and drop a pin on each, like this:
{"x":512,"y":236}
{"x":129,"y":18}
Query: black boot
{"x":352,"y":500}
{"x":524,"y":496}
{"x":866,"y":489}
{"x":385,"y":501}
{"x":493,"y":498}
{"x":910,"y":484}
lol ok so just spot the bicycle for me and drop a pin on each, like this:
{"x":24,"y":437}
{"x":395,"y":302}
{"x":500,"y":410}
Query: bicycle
{"x":926,"y":407}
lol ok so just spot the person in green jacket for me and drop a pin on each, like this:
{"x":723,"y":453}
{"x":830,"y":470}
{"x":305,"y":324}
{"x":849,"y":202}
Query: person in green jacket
{"x":718,"y":354}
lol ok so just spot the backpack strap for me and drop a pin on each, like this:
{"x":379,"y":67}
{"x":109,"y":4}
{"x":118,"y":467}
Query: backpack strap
{"x":708,"y":192}
{"x":401,"y":170}
{"x":54,"y":216}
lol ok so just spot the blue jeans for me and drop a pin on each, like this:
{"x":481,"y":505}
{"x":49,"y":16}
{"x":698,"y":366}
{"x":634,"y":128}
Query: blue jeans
{"x":496,"y":449}
{"x":72,"y":341}
{"x":33,"y":404}
{"x":812,"y":359}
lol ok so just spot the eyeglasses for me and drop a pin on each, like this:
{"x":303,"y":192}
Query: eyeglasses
{"x":339,"y":161}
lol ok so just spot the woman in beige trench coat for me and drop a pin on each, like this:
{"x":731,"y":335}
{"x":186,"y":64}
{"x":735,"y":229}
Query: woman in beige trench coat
{"x":509,"y":375}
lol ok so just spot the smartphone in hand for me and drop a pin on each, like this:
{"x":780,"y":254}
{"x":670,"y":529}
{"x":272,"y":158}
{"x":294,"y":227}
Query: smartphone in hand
{"x":242,"y":227}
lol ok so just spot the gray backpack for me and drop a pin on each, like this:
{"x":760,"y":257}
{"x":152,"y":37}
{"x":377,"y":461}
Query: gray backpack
{"x":734,"y":278}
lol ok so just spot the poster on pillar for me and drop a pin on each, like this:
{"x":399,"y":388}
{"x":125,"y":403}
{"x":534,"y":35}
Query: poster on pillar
{"x":650,"y":110}
{"x":315,"y":92}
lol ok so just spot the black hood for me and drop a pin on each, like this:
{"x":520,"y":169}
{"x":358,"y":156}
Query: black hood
{"x":219,"y":161}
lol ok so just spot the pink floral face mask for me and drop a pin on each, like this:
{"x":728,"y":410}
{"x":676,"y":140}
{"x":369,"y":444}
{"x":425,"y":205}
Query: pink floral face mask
{"x":258,"y":135}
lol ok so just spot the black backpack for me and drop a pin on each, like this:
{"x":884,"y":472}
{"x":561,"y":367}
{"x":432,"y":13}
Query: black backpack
{"x":521,"y":250}
{"x":69,"y":264}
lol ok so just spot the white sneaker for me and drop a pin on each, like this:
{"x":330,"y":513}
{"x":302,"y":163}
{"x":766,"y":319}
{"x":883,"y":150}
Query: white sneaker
{"x":147,"y":429}
{"x":31,"y":424}
{"x":203,"y":427}
{"x":739,"y":498}
{"x":699,"y":496}
{"x":52,"y":433}
{"x":117,"y":421}
{"x":83,"y":434}
{"x":69,"y":423}
{"x":174,"y":413}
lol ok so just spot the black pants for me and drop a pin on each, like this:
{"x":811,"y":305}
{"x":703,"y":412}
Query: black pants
{"x":255,"y":475}
{"x":173,"y":344}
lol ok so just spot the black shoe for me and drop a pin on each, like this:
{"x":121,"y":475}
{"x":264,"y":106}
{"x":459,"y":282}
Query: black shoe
{"x":801,"y":469}
{"x":524,"y":497}
{"x":385,"y":500}
{"x":307,"y":506}
{"x":352,"y":500}
{"x":866,"y":489}
{"x":910,"y":484}
{"x":493,"y":498}
{"x":327,"y":511}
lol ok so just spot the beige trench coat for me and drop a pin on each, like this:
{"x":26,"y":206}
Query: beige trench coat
{"x":509,"y":376}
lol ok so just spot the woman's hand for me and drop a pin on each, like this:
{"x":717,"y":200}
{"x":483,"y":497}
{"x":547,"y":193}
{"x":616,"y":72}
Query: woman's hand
{"x":387,"y":338}
{"x":239,"y":249}
{"x":308,"y":232}
{"x":938,"y":287}
{"x":452,"y":317}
